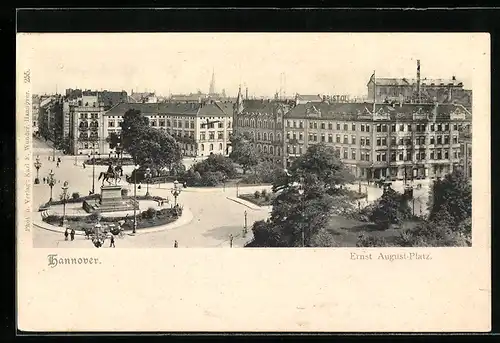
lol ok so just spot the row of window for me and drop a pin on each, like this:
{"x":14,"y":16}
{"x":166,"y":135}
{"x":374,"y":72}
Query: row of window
{"x":421,"y":140}
{"x":89,"y":115}
{"x":437,"y":154}
{"x":271,"y":150}
{"x":259,"y":124}
{"x":265,"y":136}
{"x":378,"y":127}
{"x":419,"y":155}
{"x":211,"y":135}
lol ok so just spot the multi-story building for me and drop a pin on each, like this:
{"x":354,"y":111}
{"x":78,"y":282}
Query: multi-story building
{"x":35,"y":111}
{"x":418,"y":90}
{"x":381,"y":141}
{"x":201,"y":128}
{"x":84,"y":122}
{"x":263,"y":121}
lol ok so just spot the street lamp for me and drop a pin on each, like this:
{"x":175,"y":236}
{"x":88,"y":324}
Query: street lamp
{"x":301,"y":193}
{"x":245,"y":229}
{"x":51,"y":183}
{"x":38,"y":165}
{"x":147,"y":175}
{"x":65,"y":195}
{"x":176,"y":191}
{"x":136,"y":167}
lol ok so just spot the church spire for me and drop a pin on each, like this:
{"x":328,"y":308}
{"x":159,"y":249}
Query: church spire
{"x":239,"y":101}
{"x":212,"y":83}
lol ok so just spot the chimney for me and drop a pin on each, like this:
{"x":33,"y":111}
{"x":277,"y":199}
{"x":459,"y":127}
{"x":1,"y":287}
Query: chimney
{"x":453,"y":78}
{"x":418,"y":81}
{"x":246,"y":93}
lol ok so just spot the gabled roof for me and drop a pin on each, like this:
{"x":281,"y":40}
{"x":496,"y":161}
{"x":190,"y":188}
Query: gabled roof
{"x":171,"y":108}
{"x":351,"y":111}
{"x":309,"y":97}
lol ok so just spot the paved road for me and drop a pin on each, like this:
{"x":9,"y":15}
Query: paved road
{"x":215,"y":217}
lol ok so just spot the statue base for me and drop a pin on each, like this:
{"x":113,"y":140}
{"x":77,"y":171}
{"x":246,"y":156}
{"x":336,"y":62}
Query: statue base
{"x":111,"y":201}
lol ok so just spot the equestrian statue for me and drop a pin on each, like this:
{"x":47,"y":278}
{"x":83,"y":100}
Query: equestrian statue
{"x":112,"y":173}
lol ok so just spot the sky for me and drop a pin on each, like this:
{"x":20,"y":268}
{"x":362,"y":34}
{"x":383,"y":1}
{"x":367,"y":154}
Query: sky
{"x":313,"y":63}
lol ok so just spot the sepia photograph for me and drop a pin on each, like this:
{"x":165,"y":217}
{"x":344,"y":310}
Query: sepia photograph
{"x":262,"y":149}
{"x":354,"y":150}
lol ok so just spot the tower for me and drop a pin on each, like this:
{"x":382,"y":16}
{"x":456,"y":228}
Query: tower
{"x":211,"y":90}
{"x":239,"y":101}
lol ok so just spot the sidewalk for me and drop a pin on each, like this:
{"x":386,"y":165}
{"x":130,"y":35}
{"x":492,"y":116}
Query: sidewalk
{"x":247,"y":203}
{"x":186,"y":218}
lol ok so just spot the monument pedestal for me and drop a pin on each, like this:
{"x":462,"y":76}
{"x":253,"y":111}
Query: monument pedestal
{"x":111,"y":201}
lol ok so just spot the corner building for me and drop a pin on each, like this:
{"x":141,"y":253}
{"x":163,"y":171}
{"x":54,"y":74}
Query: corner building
{"x":378,"y":141}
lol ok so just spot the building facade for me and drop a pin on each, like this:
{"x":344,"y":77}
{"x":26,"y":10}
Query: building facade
{"x":202,"y":129}
{"x":382,"y":141}
{"x":263,"y":121}
{"x":85,"y":115}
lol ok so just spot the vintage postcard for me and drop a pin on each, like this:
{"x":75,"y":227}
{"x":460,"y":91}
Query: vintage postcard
{"x":149,"y":164}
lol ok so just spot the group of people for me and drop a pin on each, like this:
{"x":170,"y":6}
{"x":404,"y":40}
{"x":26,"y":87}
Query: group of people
{"x":69,"y":233}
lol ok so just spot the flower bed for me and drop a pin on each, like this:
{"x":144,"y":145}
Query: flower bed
{"x":262,"y":199}
{"x":148,"y":218}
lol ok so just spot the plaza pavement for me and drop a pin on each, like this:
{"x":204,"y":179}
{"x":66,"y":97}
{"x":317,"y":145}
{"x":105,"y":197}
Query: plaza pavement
{"x":215,"y":214}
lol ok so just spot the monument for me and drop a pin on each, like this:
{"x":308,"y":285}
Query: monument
{"x":111,"y":198}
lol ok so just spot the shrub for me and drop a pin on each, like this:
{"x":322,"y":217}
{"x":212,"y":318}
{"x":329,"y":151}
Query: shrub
{"x":94,"y":216}
{"x":371,"y":241}
{"x":256,"y":194}
{"x":263,"y":193}
{"x":267,"y":197}
{"x":75,"y":195}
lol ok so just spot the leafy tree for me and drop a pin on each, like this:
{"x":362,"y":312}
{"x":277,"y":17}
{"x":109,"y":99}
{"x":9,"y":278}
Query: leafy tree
{"x":148,"y":146}
{"x":268,"y":172}
{"x":113,"y":140}
{"x":391,"y":208}
{"x":264,"y":235}
{"x":242,"y":151}
{"x":216,"y":163}
{"x":452,"y":194}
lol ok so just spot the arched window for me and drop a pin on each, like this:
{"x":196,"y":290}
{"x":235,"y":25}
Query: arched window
{"x":252,"y":123}
{"x":271,"y":150}
{"x":259,"y":124}
{"x":220,"y":146}
{"x":278,"y":137}
{"x":265,"y":136}
{"x":202,"y":147}
{"x":265,"y":124}
{"x":258,"y":136}
{"x":253,"y":134}
{"x":265,"y":149}
{"x":271,"y":137}
{"x":272,"y":124}
{"x":259,"y":148}
{"x":278,"y":151}
{"x":211,"y":147}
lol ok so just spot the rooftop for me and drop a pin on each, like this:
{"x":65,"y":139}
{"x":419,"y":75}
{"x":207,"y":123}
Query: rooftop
{"x":174,"y":108}
{"x":355,"y":110}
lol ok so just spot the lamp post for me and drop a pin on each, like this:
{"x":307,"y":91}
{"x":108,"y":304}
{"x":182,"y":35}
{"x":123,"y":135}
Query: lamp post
{"x":147,"y":174}
{"x":38,"y":165}
{"x":51,"y":183}
{"x":136,"y":167}
{"x":65,"y":195}
{"x":301,"y":193}
{"x":176,"y":191}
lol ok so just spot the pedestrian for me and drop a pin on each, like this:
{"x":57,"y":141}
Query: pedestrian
{"x":72,"y":234}
{"x":43,"y":180}
{"x":83,"y":164}
{"x":66,"y":234}
{"x":57,"y":165}
{"x":176,"y":245}
{"x":230,"y":240}
{"x":112,"y":241}
{"x":48,"y":157}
